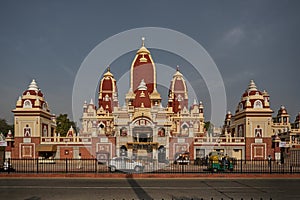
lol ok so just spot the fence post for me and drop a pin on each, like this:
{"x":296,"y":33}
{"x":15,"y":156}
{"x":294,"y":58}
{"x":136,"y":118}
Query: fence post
{"x":270,"y":165}
{"x":96,"y":165}
{"x":37,"y":165}
{"x":66,"y":165}
{"x":8,"y":167}
{"x":241,"y":166}
{"x":291,"y":169}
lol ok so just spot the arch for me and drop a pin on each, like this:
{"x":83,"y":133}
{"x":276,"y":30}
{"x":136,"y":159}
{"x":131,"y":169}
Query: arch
{"x":142,"y":134}
{"x":27,"y":104}
{"x":101,"y":125}
{"x":184,"y":129}
{"x":123,"y":131}
{"x":142,"y":121}
{"x":258,"y":104}
{"x":45,"y":106}
{"x":161,"y":132}
{"x":161,"y":157}
{"x":27,"y":131}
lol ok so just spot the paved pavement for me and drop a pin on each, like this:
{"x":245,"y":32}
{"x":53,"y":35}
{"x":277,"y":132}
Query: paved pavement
{"x":144,"y":188}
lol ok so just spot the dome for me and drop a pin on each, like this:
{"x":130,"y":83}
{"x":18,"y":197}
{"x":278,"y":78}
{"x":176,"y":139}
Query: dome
{"x":252,"y":90}
{"x":108,"y":96}
{"x":178,"y":95}
{"x":33,"y":89}
{"x":108,"y":73}
{"x":108,"y":83}
{"x":143,"y":67}
{"x":33,"y":86}
{"x":253,"y":98}
{"x":282,"y":110}
{"x":178,"y":84}
{"x":142,"y":85}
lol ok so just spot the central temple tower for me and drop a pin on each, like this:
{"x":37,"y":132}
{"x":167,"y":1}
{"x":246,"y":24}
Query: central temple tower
{"x":142,"y":92}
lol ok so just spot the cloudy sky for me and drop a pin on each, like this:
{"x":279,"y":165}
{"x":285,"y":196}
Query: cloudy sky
{"x":49,"y":40}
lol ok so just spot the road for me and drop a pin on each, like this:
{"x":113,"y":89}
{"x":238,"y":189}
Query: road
{"x":133,"y":189}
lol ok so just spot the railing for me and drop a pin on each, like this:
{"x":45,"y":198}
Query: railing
{"x":153,"y":167}
{"x":219,"y":140}
{"x":75,"y":139}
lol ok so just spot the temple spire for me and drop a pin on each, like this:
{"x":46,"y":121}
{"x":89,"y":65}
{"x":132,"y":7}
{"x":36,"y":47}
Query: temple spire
{"x":143,"y":41}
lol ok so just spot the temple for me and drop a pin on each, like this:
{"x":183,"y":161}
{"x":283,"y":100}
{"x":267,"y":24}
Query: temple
{"x":143,"y":128}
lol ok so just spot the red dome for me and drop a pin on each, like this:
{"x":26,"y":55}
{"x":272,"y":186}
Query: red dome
{"x":178,"y":92}
{"x":107,"y":91}
{"x":34,"y":93}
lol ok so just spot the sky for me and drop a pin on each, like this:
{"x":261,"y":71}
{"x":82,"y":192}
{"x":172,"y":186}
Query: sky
{"x":49,"y":40}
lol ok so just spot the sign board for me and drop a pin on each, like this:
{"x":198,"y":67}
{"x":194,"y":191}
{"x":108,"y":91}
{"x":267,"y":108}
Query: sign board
{"x":104,"y":140}
{"x":181,"y":140}
{"x":283,"y":144}
{"x":258,"y":140}
{"x":26,"y":140}
{"x":3,"y":143}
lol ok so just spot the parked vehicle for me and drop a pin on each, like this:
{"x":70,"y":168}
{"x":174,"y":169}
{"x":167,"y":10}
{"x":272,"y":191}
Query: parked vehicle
{"x":43,"y":160}
{"x":182,"y":158}
{"x":125,"y":164}
{"x":219,"y":162}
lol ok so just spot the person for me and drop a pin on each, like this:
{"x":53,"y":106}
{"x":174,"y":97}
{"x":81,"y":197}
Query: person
{"x":269,"y":160}
{"x":79,"y":161}
{"x":224,"y":162}
{"x":206,"y":160}
{"x":227,"y":163}
{"x":281,"y":158}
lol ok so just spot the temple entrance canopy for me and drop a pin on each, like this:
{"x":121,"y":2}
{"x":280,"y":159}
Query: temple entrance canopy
{"x":142,"y":134}
{"x":142,"y":144}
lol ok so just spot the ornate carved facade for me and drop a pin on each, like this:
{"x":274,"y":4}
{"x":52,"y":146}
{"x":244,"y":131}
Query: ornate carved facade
{"x":143,"y":126}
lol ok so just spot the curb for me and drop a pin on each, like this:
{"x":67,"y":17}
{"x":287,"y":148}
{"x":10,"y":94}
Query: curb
{"x":106,"y":175}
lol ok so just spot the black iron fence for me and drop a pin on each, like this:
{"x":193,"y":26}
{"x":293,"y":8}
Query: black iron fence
{"x":153,"y":166}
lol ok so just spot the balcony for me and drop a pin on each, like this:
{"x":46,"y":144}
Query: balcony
{"x":66,"y":140}
{"x":219,"y":140}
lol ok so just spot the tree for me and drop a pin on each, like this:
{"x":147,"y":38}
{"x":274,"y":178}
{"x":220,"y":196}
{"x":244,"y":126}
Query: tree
{"x":209,"y":127}
{"x":4,"y":127}
{"x":63,"y":124}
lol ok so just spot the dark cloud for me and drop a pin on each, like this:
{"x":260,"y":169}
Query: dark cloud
{"x":48,"y":40}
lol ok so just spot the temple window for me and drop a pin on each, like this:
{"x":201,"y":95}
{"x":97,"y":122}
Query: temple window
{"x":45,"y":106}
{"x":123,"y":131}
{"x":240,"y":106}
{"x":257,"y":104}
{"x":27,"y":131}
{"x":27,"y":104}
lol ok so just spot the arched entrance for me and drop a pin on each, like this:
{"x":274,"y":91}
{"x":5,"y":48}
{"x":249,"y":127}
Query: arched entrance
{"x":142,"y":140}
{"x":142,"y":144}
{"x":161,"y":154}
{"x":142,"y":134}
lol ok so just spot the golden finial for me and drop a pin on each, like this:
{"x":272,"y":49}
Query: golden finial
{"x":177,"y":68}
{"x":143,"y":41}
{"x":108,"y":68}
